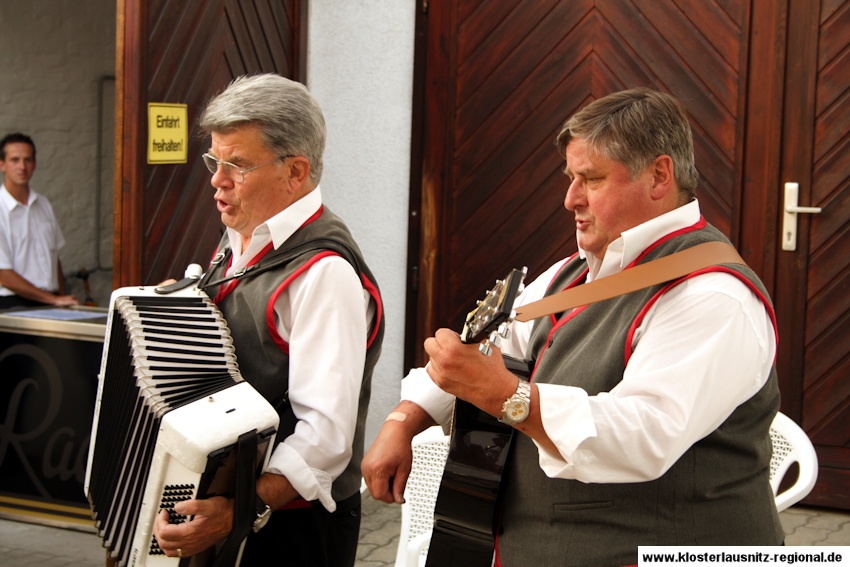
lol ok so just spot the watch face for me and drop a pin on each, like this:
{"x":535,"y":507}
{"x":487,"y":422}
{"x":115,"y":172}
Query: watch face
{"x":516,"y":408}
{"x":515,"y":411}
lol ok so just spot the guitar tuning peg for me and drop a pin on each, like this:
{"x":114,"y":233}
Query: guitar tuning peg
{"x":504,"y":331}
{"x":485,"y":348}
{"x":495,"y":339}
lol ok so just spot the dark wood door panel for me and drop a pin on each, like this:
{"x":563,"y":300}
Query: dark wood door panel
{"x":813,"y":311}
{"x":711,"y":62}
{"x":543,"y":47}
{"x":186,"y":52}
{"x":712,"y":100}
{"x":826,"y":389}
{"x":517,"y":78}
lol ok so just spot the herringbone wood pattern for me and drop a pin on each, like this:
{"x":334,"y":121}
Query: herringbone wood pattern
{"x":826,"y":388}
{"x":194,"y":49}
{"x":524,"y":67}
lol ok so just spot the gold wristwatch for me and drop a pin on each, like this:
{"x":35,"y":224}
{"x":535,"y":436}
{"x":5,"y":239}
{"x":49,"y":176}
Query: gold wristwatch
{"x":516,"y":408}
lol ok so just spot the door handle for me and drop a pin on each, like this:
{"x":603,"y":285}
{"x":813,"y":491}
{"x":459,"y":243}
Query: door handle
{"x":789,"y":216}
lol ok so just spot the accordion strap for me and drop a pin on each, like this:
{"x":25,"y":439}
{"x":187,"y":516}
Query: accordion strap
{"x":275,"y":259}
{"x":244,"y":510}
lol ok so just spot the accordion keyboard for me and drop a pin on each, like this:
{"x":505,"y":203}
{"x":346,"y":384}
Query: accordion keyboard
{"x":170,"y":407}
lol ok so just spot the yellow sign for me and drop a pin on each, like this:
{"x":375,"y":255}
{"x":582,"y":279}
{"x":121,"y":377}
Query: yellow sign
{"x":168,"y":133}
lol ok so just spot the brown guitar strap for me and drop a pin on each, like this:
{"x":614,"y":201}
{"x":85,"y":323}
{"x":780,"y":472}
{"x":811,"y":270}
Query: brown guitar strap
{"x":641,"y":276}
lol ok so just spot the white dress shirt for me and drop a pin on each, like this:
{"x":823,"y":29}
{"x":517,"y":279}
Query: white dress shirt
{"x":30,"y":240}
{"x":704,"y":348}
{"x":324,"y":315}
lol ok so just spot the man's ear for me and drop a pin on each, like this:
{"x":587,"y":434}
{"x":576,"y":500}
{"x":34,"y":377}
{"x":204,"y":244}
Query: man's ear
{"x":663,"y":178}
{"x":298,"y":170}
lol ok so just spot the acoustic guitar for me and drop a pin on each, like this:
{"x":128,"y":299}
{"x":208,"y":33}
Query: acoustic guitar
{"x":471,"y":487}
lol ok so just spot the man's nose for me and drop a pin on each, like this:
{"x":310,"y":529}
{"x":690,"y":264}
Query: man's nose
{"x":574,"y":195}
{"x":219,"y":179}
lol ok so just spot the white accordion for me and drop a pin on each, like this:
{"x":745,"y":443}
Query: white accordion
{"x":173,"y":420}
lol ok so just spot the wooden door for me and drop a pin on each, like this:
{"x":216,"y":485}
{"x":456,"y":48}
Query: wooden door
{"x":813,"y":281}
{"x":501,"y":76}
{"x":766,"y":89}
{"x":184,"y":52}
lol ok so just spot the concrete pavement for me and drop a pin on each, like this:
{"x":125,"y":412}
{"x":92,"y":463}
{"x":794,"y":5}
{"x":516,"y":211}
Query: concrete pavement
{"x":23,"y":544}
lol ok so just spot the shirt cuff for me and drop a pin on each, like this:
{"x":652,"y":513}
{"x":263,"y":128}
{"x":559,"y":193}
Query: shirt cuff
{"x":417,"y":387}
{"x":568,"y":421}
{"x":310,"y":483}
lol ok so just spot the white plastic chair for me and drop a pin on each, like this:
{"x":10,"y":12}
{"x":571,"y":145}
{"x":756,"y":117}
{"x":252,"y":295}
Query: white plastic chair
{"x":430,"y":450}
{"x":790,"y":445}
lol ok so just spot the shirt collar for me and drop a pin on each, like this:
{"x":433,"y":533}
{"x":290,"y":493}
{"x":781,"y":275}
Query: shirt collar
{"x":624,"y":250}
{"x":278,"y":228}
{"x":10,"y":202}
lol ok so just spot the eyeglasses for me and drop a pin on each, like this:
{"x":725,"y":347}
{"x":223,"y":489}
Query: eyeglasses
{"x":230,"y":169}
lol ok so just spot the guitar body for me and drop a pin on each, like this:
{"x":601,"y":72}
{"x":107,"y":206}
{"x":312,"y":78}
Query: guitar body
{"x":465,"y":513}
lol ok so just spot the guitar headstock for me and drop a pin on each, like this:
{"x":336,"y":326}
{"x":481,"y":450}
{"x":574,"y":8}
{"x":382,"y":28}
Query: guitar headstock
{"x":495,"y":310}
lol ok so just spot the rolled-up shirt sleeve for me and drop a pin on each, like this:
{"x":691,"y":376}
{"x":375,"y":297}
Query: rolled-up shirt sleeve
{"x":418,"y":387}
{"x":324,"y":315}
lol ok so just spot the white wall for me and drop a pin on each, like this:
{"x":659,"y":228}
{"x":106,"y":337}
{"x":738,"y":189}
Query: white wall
{"x":360,"y":68}
{"x":56,"y":56}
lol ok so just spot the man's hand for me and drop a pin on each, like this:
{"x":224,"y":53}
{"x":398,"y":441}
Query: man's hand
{"x":464,"y":371}
{"x":212,"y":522}
{"x":65,"y":300}
{"x":386,"y":466}
{"x":10,"y":279}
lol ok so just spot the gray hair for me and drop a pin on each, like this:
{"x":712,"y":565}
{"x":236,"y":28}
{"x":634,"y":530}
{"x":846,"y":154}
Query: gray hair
{"x":288,"y":117}
{"x":634,"y":127}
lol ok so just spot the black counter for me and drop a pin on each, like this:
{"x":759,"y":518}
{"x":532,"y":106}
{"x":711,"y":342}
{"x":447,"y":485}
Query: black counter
{"x":49,"y":362}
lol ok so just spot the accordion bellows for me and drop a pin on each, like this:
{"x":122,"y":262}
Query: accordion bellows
{"x":171,"y":407}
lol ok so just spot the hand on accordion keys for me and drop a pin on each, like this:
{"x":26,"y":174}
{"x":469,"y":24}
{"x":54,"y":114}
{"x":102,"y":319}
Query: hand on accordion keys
{"x":211,"y":522}
{"x":212,"y":518}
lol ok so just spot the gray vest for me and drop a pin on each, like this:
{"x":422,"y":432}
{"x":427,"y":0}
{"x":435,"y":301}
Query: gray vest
{"x":263,"y":362}
{"x":717,"y":493}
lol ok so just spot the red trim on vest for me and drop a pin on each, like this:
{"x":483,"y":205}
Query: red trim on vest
{"x":370,"y":287}
{"x":564,"y":320}
{"x":579,"y":279}
{"x":297,"y":504}
{"x":379,"y":307}
{"x":316,"y":215}
{"x":228,"y":288}
{"x":278,"y":340}
{"x":555,"y":323}
{"x":700,"y":224}
{"x":711,"y":269}
{"x":558,"y":273}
